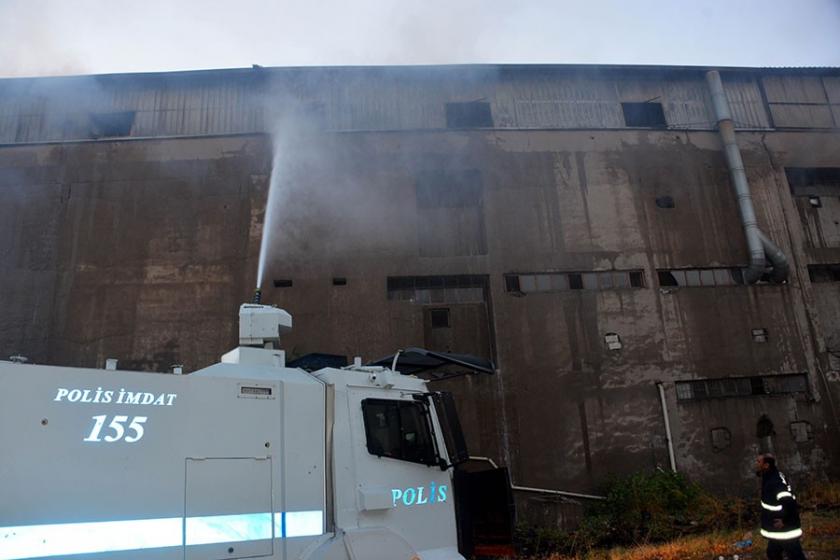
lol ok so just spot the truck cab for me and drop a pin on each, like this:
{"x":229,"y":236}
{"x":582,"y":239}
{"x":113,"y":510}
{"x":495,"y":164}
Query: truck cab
{"x":247,"y":458}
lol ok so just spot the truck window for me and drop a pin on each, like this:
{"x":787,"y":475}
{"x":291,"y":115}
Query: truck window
{"x":399,"y":430}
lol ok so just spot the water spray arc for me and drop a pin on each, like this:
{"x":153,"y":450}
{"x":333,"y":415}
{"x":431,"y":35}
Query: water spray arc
{"x":272,"y":200}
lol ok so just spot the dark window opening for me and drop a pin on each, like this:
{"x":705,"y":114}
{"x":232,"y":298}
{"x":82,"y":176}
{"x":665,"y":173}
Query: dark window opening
{"x":819,"y":273}
{"x":399,"y":430}
{"x":700,"y":277}
{"x":785,"y":384}
{"x":637,"y":279}
{"x":473,"y":114}
{"x":666,"y":278}
{"x":440,"y":318}
{"x":282,"y":283}
{"x":109,"y":125}
{"x":565,"y":281}
{"x":759,"y":335}
{"x":649,"y":115}
{"x":758,"y":385}
{"x":814,"y":181}
{"x":764,"y":427}
{"x":665,"y":202}
{"x":512,"y":283}
{"x":339,"y":281}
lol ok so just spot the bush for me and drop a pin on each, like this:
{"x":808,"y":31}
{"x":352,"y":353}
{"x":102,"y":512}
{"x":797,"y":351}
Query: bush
{"x":820,"y":495}
{"x":648,"y":507}
{"x":639,"y":509}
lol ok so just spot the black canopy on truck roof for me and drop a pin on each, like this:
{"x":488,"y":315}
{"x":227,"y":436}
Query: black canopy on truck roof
{"x":417,"y":361}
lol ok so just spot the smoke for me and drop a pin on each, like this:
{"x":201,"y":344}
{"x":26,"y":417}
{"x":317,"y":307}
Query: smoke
{"x":29,"y":44}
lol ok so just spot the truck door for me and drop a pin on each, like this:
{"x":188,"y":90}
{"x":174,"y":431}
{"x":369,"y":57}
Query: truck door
{"x":485,"y":510}
{"x":228,"y":509}
{"x":401,"y":485}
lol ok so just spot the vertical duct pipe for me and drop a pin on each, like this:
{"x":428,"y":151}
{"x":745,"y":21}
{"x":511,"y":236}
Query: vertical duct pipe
{"x":667,"y":419}
{"x":760,"y":247}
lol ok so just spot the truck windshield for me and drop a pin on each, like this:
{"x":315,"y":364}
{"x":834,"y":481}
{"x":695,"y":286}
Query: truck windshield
{"x":399,"y":430}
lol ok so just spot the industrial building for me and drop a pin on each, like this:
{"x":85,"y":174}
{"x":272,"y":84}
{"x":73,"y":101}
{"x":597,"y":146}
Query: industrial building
{"x":575,"y":224}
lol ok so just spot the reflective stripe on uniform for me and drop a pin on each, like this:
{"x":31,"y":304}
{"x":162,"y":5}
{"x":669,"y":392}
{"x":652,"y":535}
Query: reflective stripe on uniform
{"x":781,"y":535}
{"x":781,"y":495}
{"x":771,"y":508}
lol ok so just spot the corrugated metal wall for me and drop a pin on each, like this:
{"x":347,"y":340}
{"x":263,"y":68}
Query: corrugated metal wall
{"x":799,"y":101}
{"x":56,"y":110}
{"x":241,"y":101}
{"x":744,"y":96}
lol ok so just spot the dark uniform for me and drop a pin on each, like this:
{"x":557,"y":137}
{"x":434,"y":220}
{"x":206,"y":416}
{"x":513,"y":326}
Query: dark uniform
{"x":778,"y":502}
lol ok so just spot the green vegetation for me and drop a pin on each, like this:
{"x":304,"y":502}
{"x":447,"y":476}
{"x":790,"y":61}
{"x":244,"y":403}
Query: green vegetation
{"x":663,"y":516}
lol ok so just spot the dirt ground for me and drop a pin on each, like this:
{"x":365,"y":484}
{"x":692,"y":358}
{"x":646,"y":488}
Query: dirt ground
{"x":821,"y":542}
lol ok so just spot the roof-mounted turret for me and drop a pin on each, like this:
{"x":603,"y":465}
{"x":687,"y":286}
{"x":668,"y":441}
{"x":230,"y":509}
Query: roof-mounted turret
{"x":260,"y":327}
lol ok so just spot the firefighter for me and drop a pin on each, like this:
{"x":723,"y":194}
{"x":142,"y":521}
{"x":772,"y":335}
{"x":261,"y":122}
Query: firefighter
{"x":779,"y":511}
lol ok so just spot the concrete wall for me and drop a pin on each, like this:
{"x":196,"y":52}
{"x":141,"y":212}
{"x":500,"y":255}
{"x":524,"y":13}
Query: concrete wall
{"x":142,"y":250}
{"x":139,"y":251}
{"x":566,"y":410}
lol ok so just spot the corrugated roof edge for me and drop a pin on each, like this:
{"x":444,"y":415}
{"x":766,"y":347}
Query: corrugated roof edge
{"x":217,"y":72}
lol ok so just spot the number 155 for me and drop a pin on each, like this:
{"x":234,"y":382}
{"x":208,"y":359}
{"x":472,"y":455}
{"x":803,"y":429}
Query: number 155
{"x":117,"y":425}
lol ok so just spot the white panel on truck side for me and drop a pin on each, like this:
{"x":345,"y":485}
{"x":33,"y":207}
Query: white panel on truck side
{"x":215,"y":527}
{"x":94,"y":462}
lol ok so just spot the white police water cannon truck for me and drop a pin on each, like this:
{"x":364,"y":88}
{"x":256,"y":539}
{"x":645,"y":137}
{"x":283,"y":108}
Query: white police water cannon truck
{"x":247,"y":458}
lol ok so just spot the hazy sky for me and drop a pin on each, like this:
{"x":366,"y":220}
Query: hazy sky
{"x":43,"y":37}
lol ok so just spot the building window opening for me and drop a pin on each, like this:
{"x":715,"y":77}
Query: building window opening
{"x":565,"y":281}
{"x":339,"y":281}
{"x":282,"y":283}
{"x":440,"y":318}
{"x":110,"y":125}
{"x":764,"y":427}
{"x":819,"y":273}
{"x":700,"y":277}
{"x":764,"y":431}
{"x":473,"y":114}
{"x":398,"y":430}
{"x":758,"y":385}
{"x":512,"y":284}
{"x":665,"y":202}
{"x":814,"y":181}
{"x":759,"y":335}
{"x":646,"y":115}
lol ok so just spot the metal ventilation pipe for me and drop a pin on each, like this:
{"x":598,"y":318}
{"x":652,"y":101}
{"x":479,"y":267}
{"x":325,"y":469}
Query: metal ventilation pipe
{"x":761,"y":248}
